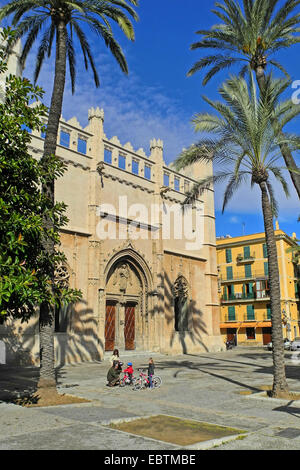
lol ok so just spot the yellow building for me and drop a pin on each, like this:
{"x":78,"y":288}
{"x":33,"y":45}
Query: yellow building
{"x":244,"y":290}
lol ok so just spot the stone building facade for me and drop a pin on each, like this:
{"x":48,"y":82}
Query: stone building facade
{"x":146,"y":269}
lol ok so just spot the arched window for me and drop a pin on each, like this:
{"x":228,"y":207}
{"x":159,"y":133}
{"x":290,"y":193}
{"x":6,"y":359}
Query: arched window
{"x":181,"y":304}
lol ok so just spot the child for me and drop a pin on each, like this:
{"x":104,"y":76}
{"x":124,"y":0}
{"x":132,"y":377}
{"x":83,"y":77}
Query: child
{"x":150,"y":372}
{"x":129,"y":371}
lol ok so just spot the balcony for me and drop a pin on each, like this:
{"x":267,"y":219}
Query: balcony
{"x":257,"y":318}
{"x":243,"y":259}
{"x":267,"y":316}
{"x":229,"y":318}
{"x":237,"y":297}
{"x":240,"y":297}
{"x":255,"y":275}
{"x":247,"y":318}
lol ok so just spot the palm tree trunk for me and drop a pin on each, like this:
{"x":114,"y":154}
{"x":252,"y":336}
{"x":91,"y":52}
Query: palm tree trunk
{"x":286,"y":153}
{"x":47,"y":315}
{"x":280,"y":386}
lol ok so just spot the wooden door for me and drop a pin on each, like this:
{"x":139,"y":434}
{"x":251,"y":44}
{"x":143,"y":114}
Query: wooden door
{"x":110,"y":326}
{"x":129,"y":329}
{"x":267,"y":335}
{"x":231,"y":334}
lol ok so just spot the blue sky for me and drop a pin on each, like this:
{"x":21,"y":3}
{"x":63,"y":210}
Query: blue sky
{"x":158,"y":100}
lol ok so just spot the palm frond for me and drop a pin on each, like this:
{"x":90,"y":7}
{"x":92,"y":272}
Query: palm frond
{"x":235,"y":181}
{"x":279,"y":176}
{"x":42,"y":50}
{"x":241,"y":140}
{"x":72,"y":62}
{"x":85,"y":47}
{"x":258,"y":32}
{"x":30,"y":17}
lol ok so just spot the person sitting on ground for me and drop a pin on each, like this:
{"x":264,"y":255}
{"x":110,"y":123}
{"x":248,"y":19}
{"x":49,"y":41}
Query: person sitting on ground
{"x":113,"y":375}
{"x":129,"y":371}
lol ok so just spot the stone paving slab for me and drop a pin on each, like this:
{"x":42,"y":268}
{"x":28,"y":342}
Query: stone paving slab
{"x":19,"y":421}
{"x":89,"y":414}
{"x":208,"y":387}
{"x":84,"y":437}
{"x":260,"y":441}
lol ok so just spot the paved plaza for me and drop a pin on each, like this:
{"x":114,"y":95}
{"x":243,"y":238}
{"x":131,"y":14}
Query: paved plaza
{"x":220,"y":388}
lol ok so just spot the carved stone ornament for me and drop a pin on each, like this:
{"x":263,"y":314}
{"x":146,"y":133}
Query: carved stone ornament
{"x":122,"y":276}
{"x":181,"y":288}
{"x":62,"y":276}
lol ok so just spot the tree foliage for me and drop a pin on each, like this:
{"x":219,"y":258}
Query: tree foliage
{"x":24,"y":267}
{"x":241,"y":138}
{"x":40,"y":18}
{"x":249,"y":34}
{"x":244,"y":141}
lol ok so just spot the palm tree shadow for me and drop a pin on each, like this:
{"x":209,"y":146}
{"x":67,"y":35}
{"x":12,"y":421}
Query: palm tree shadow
{"x":200,"y":368}
{"x":197,"y":328}
{"x":21,"y":378}
{"x":293,"y":411}
{"x":78,"y":342}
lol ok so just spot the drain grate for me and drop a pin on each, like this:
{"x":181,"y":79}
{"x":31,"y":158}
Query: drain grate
{"x":289,"y":433}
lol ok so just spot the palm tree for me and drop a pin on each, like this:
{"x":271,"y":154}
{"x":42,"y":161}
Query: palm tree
{"x":250,"y":38}
{"x":242,"y":140}
{"x":59,"y":24}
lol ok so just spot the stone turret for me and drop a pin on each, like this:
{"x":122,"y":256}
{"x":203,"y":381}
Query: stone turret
{"x":96,"y":113}
{"x":156,"y":149}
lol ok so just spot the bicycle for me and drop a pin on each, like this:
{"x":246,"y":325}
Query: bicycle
{"x":143,"y":381}
{"x":127,"y":381}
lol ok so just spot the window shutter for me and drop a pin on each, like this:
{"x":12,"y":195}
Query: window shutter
{"x":250,"y":312}
{"x":229,"y":272}
{"x":231,"y":313}
{"x":266,"y":269}
{"x":248,"y":272}
{"x":228,"y":255}
{"x":265,"y":251}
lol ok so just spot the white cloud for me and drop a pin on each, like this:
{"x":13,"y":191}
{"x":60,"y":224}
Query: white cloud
{"x":134,"y":112}
{"x":234,"y":220}
{"x":138,"y":112}
{"x":247,"y":200}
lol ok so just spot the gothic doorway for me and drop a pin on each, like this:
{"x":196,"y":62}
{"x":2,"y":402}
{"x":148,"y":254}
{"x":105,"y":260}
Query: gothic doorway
{"x":128,"y":303}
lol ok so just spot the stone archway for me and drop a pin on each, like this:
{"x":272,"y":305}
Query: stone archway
{"x":127,"y":302}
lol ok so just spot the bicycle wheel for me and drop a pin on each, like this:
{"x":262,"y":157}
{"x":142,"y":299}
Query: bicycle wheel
{"x":138,"y":384}
{"x":156,"y":380}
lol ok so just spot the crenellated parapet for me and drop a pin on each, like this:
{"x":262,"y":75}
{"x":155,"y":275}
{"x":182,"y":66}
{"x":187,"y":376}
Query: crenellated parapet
{"x":92,"y":142}
{"x":96,"y":113}
{"x":156,"y":144}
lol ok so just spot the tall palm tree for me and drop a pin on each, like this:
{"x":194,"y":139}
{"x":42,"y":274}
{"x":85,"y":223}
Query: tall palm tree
{"x":59,"y":23}
{"x":249,"y":38}
{"x":242,"y":140}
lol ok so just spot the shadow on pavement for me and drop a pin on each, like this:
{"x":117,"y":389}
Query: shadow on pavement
{"x":21,"y":381}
